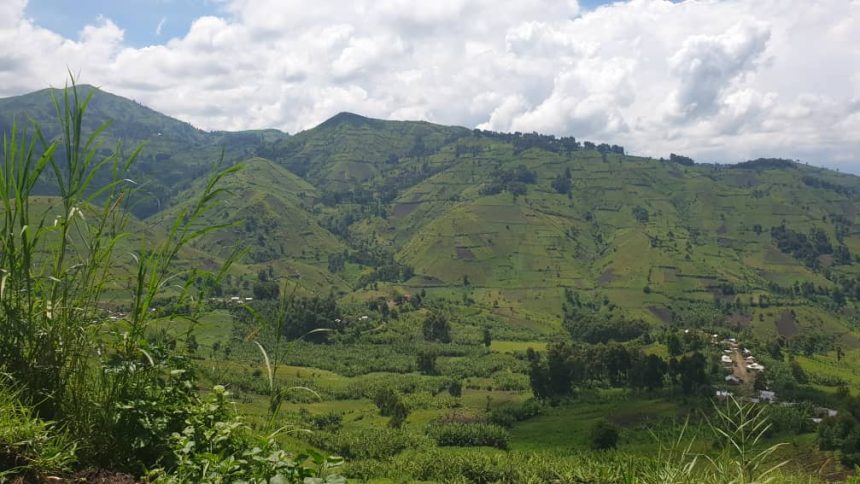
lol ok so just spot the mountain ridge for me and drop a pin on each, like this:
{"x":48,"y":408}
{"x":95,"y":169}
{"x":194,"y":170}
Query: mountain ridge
{"x":510,"y":224}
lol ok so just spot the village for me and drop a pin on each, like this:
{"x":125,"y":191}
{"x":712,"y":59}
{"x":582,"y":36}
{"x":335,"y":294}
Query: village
{"x":743,"y":369}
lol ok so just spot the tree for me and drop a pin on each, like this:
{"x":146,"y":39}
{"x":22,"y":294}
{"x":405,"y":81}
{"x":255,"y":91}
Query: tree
{"x":390,"y":404}
{"x":558,"y":373}
{"x":640,"y":214}
{"x":191,"y":344}
{"x":561,"y":184}
{"x":427,"y":363}
{"x":537,"y":374}
{"x":603,"y":435}
{"x":692,"y":374}
{"x":673,"y":344}
{"x":648,"y":372}
{"x":455,"y":388}
{"x":266,"y":290}
{"x":437,"y":328}
{"x":488,"y":337}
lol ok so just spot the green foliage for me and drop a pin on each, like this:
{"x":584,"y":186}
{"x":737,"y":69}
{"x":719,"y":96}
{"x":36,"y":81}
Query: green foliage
{"x":741,"y":428}
{"x":290,"y":318}
{"x":391,"y":404}
{"x":426,"y":363}
{"x":507,"y":415}
{"x":589,"y":328}
{"x":808,"y":248}
{"x":482,"y":465}
{"x":455,"y":388}
{"x":469,"y":435}
{"x":791,"y":419}
{"x":369,"y":443}
{"x":214,"y":446}
{"x":266,"y":290}
{"x":30,"y":447}
{"x":603,"y":435}
{"x":329,"y":421}
{"x":437,"y":328}
{"x":640,"y":214}
{"x":691,"y":372}
{"x":567,"y":366}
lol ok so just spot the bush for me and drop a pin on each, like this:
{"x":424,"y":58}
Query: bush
{"x":329,"y":421}
{"x":795,"y":419}
{"x":370,"y":443}
{"x":469,"y":435}
{"x":507,"y":380}
{"x":215,"y":446}
{"x":508,"y":415}
{"x":603,"y":435}
{"x":30,"y":447}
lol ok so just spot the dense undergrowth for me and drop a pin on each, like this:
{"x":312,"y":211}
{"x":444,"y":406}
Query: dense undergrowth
{"x":80,"y":389}
{"x":84,"y":386}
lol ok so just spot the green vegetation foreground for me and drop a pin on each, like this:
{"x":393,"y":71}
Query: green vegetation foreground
{"x":84,"y":392}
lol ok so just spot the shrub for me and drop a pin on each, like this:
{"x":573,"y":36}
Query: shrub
{"x":469,"y":435}
{"x":507,"y":380}
{"x":30,"y":447}
{"x":370,"y":443}
{"x":72,"y":363}
{"x":455,"y":388}
{"x":215,"y":446}
{"x":329,"y":421}
{"x":603,"y":435}
{"x":795,"y":419}
{"x":508,"y":415}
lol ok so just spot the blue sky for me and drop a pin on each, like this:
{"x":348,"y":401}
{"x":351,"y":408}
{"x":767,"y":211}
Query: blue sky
{"x":139,"y":18}
{"x":717,"y":80}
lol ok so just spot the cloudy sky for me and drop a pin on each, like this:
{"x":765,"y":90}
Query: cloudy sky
{"x":719,"y":80}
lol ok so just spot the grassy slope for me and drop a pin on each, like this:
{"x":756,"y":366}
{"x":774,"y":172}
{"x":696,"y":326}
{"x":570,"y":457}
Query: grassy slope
{"x":265,"y":208}
{"x":518,"y":254}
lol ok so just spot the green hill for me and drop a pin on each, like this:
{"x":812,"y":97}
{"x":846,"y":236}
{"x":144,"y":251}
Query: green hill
{"x":174,"y":152}
{"x":510,"y":224}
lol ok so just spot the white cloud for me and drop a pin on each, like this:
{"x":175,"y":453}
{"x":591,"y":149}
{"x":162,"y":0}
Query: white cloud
{"x":718,"y":80}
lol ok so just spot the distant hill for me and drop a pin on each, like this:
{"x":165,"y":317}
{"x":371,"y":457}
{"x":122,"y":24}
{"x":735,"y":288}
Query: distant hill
{"x":515,"y":226}
{"x":175,"y":152}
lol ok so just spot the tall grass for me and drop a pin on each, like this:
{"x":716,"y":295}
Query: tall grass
{"x":67,"y":360}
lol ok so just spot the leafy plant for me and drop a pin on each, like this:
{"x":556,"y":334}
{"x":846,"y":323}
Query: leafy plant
{"x":741,"y":428}
{"x":29,"y":446}
{"x":469,"y":435}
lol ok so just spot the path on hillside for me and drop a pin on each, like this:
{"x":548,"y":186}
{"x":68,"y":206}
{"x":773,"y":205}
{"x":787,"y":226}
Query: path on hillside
{"x":739,"y":370}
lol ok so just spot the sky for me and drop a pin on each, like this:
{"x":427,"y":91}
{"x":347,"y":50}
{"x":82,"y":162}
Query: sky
{"x":717,"y":80}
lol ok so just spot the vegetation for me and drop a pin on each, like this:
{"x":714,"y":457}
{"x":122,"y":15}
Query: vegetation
{"x":393,"y":300}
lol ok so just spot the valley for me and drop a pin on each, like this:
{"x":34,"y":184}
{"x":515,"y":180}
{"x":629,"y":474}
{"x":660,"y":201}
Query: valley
{"x":402,"y":301}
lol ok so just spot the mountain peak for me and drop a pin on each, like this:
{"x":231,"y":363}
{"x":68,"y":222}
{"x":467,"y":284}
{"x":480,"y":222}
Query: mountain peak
{"x":346,"y":118}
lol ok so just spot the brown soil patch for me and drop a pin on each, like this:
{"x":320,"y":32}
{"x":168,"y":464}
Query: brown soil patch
{"x":404,"y":209}
{"x":739,"y":320}
{"x":662,"y":313}
{"x":786,"y":324}
{"x":464,"y":253}
{"x":725,"y":242}
{"x":431,"y":281}
{"x":607,"y":277}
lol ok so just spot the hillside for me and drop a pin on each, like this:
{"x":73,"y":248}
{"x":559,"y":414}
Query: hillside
{"x":174,"y":152}
{"x":510,"y":306}
{"x":509,"y":223}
